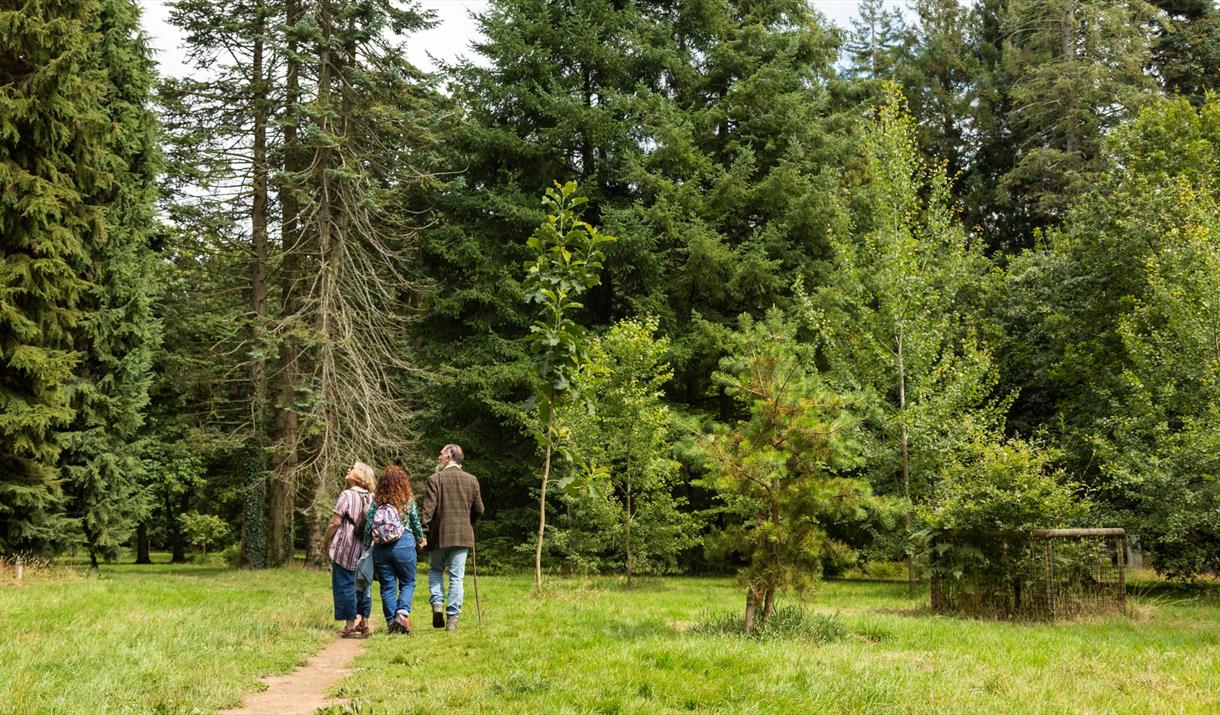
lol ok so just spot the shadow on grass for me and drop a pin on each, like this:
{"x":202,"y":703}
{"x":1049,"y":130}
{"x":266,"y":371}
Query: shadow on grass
{"x":187,"y":569}
{"x":1207,"y":591}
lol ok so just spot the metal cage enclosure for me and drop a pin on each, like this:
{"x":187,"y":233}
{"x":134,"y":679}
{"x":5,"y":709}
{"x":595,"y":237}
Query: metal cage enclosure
{"x":1037,"y":575}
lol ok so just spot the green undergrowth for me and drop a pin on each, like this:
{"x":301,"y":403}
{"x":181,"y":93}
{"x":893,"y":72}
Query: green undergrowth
{"x":195,"y":638}
{"x":154,"y":639}
{"x":675,"y":645}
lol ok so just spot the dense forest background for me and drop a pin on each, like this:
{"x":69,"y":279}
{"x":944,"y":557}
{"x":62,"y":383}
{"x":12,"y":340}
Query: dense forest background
{"x":954,"y":268}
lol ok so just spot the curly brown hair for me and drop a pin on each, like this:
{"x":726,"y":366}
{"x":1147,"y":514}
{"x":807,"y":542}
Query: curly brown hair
{"x":394,"y":487}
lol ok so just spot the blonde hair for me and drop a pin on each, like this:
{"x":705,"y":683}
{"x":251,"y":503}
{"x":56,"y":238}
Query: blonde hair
{"x":363,"y":477}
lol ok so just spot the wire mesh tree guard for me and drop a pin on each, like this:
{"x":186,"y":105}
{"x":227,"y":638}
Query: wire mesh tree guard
{"x":1037,"y":575}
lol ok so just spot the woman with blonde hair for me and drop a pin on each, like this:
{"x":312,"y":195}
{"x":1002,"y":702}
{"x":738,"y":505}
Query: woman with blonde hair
{"x":345,"y":535}
{"x":396,"y":534}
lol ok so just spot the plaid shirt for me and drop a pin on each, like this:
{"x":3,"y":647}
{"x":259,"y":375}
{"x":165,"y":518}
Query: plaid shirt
{"x":451,"y":505}
{"x":345,"y":549}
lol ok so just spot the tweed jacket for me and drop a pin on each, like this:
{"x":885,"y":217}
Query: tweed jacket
{"x":451,"y":505}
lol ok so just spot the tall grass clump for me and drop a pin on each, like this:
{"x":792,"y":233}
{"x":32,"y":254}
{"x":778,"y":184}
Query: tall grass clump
{"x":786,"y":623}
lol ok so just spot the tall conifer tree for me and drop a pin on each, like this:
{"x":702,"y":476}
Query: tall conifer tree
{"x":875,"y":45}
{"x":1058,"y":75}
{"x":76,"y":161}
{"x":53,"y":133}
{"x":703,"y":134}
{"x":117,"y":334}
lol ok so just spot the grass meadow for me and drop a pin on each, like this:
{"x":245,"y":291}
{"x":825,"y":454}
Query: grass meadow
{"x":195,"y":638}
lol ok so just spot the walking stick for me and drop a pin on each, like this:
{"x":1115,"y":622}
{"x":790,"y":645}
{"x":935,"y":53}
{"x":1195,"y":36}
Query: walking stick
{"x":474,"y":558}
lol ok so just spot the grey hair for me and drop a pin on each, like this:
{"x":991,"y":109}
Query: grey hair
{"x":455,"y":453}
{"x":365,"y":476}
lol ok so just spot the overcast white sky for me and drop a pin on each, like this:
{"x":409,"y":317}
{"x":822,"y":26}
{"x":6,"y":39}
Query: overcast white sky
{"x":450,"y":38}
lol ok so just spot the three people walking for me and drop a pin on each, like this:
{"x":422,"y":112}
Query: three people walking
{"x":393,"y":528}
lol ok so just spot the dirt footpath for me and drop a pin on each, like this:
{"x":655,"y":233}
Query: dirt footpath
{"x":304,"y":690}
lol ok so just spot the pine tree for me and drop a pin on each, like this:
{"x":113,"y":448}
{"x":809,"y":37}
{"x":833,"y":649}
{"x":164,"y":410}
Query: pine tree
{"x":778,"y":467}
{"x":874,"y":46}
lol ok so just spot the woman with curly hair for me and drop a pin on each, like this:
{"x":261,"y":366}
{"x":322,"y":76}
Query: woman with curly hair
{"x":394,"y":545}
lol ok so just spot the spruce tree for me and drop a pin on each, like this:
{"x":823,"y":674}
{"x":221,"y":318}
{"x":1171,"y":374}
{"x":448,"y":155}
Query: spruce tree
{"x":875,"y":45}
{"x":704,"y":134}
{"x":1186,"y":48}
{"x":1078,"y":69}
{"x":57,"y":158}
{"x":117,"y":333}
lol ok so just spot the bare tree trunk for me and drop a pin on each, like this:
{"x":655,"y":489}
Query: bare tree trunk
{"x":1068,"y":40}
{"x":627,"y":536}
{"x":261,"y":407}
{"x":92,"y":549}
{"x":258,"y":234}
{"x":175,"y":533}
{"x":546,"y":476}
{"x":142,"y":555}
{"x":751,"y":608}
{"x":282,"y":485}
{"x":904,"y":445}
{"x":768,"y":603}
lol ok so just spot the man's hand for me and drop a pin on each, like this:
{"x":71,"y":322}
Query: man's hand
{"x":423,"y":543}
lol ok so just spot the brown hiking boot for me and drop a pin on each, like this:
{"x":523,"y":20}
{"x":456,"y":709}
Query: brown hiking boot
{"x":451,"y":623}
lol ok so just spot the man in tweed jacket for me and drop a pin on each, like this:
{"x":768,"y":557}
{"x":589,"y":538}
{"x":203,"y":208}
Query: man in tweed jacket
{"x":451,"y":505}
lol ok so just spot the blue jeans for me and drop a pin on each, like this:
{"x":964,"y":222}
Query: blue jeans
{"x":348,"y":601}
{"x":394,"y":564}
{"x":453,"y":560}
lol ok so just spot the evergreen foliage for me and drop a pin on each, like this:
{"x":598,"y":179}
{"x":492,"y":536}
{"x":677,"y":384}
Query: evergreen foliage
{"x":79,"y":156}
{"x":335,"y":275}
{"x":875,"y":46}
{"x":1077,"y":69}
{"x":938,"y":80}
{"x":777,"y":466}
{"x":705,"y":138}
{"x":1186,"y":48}
{"x":118,"y":333}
